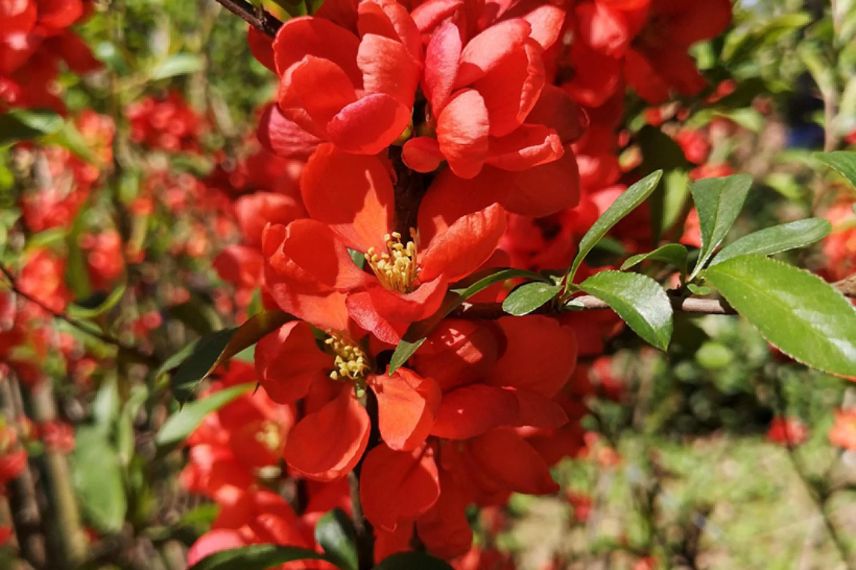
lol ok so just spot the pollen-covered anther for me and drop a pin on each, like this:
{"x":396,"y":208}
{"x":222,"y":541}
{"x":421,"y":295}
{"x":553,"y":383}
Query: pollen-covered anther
{"x":269,"y":436}
{"x":350,"y":361}
{"x":397,"y":268}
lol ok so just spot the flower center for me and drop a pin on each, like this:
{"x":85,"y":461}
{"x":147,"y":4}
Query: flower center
{"x":350,"y":361}
{"x":269,"y":436}
{"x":396,"y":269}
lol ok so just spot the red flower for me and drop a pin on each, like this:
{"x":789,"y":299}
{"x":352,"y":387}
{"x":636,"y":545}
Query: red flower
{"x":354,"y":90}
{"x":333,"y":434}
{"x":787,"y":431}
{"x":843,"y":432}
{"x":350,"y":199}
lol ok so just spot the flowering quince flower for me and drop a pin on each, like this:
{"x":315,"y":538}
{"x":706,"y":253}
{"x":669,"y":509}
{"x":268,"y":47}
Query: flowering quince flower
{"x":843,"y":431}
{"x":787,"y":431}
{"x":353,"y":89}
{"x":330,"y":438}
{"x":350,"y":200}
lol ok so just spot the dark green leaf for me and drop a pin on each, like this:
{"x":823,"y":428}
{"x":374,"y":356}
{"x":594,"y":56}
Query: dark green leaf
{"x":638,"y":300}
{"x":26,"y":124}
{"x":254,"y":557}
{"x":843,"y":161}
{"x":182,"y":423}
{"x":671,"y":253}
{"x":799,"y":313}
{"x":97,"y":478}
{"x":412,"y":561}
{"x":418,"y":332}
{"x":623,"y":205}
{"x":776,"y":239}
{"x":529,"y":297}
{"x":718,"y":201}
{"x":336,"y":535}
{"x":204,"y":355}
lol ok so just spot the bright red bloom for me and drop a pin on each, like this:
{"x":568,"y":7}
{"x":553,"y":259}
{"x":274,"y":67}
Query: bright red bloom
{"x":333,"y":434}
{"x":58,"y":436}
{"x":843,"y":431}
{"x":167,"y":124}
{"x":840,"y":246}
{"x":355,"y":90}
{"x":310,"y":274}
{"x":787,"y":431}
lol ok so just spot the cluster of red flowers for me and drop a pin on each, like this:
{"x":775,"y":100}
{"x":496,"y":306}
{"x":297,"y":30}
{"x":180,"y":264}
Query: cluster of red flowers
{"x":34,"y":39}
{"x":433,"y":140}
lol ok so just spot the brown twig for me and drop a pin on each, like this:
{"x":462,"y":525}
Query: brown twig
{"x":256,"y":17}
{"x":79,"y":325}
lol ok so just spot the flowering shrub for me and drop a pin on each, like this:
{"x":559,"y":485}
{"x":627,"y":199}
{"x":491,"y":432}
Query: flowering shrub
{"x":425,"y":280}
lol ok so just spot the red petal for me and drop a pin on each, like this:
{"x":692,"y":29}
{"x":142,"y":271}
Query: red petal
{"x":540,"y":355}
{"x":422,"y":154}
{"x":546,"y":22}
{"x":442,"y":58}
{"x":507,"y":462}
{"x":285,"y":137}
{"x":398,"y":486}
{"x":445,"y":529}
{"x":58,"y":14}
{"x":407,"y":404}
{"x":288,"y":361}
{"x":465,"y":245}
{"x":327,"y":444}
{"x":512,"y":88}
{"x":306,"y":35}
{"x":473,"y":410}
{"x":535,"y":410}
{"x":526,"y":147}
{"x":214,"y":541}
{"x":390,"y":19}
{"x":457,"y":352}
{"x":254,"y":211}
{"x":388,"y":68}
{"x":603,"y":28}
{"x":315,"y":89}
{"x":370,"y":124}
{"x":462,"y":132}
{"x":542,"y":190}
{"x":487,"y":49}
{"x":387,"y":314}
{"x":352,"y":193}
{"x":261,"y":46}
{"x":556,"y":109}
{"x":687,"y":24}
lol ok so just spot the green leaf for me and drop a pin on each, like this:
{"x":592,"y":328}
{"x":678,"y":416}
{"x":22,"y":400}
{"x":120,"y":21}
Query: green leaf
{"x":718,"y":201}
{"x":418,"y":331}
{"x":336,"y":535}
{"x":776,"y":239}
{"x":25,"y":124}
{"x":412,"y":561}
{"x":182,"y":423}
{"x":97,"y":477}
{"x":175,"y":65}
{"x":843,"y":161}
{"x":96,"y":306}
{"x":623,"y":205}
{"x":799,"y":313}
{"x":671,"y":253}
{"x":254,"y":557}
{"x":529,"y":297}
{"x":638,"y":300}
{"x":70,"y":138}
{"x":199,"y":359}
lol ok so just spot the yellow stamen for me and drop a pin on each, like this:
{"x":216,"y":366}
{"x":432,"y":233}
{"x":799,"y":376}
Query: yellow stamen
{"x":397,"y":268}
{"x":269,"y":436}
{"x":350,"y":361}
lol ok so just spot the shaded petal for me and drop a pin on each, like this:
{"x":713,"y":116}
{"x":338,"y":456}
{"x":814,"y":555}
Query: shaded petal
{"x":457,"y":352}
{"x":326,"y":445}
{"x":285,"y":137}
{"x":445,"y":529}
{"x":442,"y":58}
{"x":288,"y":361}
{"x":506,"y":462}
{"x":525,"y":147}
{"x":472,"y":410}
{"x":388,"y":314}
{"x":388,"y":68}
{"x":466,"y":244}
{"x":315,"y":88}
{"x":398,"y":486}
{"x":407,"y":404}
{"x":486,"y":50}
{"x":370,"y":124}
{"x":462,"y":132}
{"x":556,"y":109}
{"x":422,"y":154}
{"x":261,"y":46}
{"x":306,"y":35}
{"x":541,"y":190}
{"x":540,"y":355}
{"x":351,"y":193}
{"x":535,"y":410}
